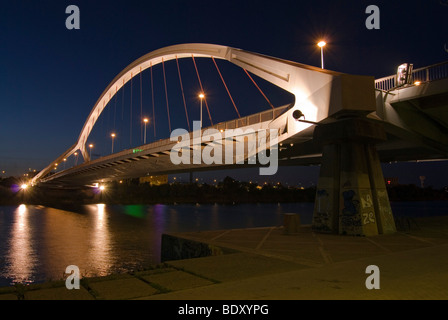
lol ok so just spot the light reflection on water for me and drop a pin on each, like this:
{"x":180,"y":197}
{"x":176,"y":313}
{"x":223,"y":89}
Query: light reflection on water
{"x":21,"y":259}
{"x":37,"y":243}
{"x":99,"y":253}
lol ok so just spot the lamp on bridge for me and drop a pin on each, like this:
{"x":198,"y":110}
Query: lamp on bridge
{"x":90,"y":154}
{"x":145,"y":120}
{"x":113,"y":137}
{"x":201,"y":96}
{"x":321,"y":44}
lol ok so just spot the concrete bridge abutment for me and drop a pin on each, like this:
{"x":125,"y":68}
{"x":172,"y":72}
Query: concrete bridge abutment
{"x":351,"y":196}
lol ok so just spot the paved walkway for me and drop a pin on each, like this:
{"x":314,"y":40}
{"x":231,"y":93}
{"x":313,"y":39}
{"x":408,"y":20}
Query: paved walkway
{"x":267,"y":264}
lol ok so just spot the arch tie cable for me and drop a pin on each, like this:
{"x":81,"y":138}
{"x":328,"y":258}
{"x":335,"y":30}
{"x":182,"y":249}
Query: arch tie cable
{"x":259,"y":88}
{"x":228,"y":92}
{"x":122,"y":102}
{"x":115,"y":107}
{"x":202,"y":90}
{"x":141,"y":106}
{"x":183,"y":95}
{"x":152,"y":98}
{"x":166,"y":96}
{"x":130,"y":118}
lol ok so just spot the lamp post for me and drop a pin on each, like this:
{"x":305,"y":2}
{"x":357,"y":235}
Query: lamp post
{"x":113,"y":137}
{"x":145,"y":120}
{"x":322,"y":44}
{"x":201,"y":96}
{"x":90,"y":154}
{"x":76,"y":158}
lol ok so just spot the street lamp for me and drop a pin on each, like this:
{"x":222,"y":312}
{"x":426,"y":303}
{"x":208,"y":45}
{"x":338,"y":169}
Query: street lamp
{"x":90,"y":154}
{"x":322,"y":44}
{"x":201,"y":96}
{"x":76,"y":159}
{"x":145,"y":120}
{"x":113,"y":136}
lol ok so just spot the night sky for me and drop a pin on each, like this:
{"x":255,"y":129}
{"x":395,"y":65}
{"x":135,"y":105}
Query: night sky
{"x":50,"y":77}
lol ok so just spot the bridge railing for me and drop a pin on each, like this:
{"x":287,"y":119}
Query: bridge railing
{"x":430,"y":73}
{"x":231,"y":124}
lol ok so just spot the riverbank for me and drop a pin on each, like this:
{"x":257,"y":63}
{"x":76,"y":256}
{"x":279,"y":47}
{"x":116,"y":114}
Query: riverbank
{"x":269,"y":264}
{"x":131,"y":192}
{"x":229,"y":191}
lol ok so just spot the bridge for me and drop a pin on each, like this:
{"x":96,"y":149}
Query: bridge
{"x":346,"y":123}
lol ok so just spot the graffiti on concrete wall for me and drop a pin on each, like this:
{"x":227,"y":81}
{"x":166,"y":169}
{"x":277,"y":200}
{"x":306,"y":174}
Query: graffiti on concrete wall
{"x":368,"y":215}
{"x":357,"y":212}
{"x":385,"y":212}
{"x":322,"y":221}
{"x":350,"y":218}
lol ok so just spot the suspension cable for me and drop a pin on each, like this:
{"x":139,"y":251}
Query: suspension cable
{"x":122,"y":102}
{"x":259,"y":89}
{"x":141,"y":107}
{"x":228,"y":92}
{"x":202,"y":90}
{"x":183,"y":95}
{"x":115,"y":106}
{"x":152,"y":97}
{"x":166,"y":96}
{"x":130,"y":118}
{"x":122,"y":125}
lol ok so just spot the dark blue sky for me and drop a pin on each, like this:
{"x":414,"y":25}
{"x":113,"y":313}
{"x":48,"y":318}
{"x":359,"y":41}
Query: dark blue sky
{"x":50,"y":77}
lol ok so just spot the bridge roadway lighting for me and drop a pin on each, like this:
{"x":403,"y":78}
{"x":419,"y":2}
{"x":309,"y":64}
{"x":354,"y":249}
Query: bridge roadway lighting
{"x":322,"y":44}
{"x":90,"y":154}
{"x":113,"y":136}
{"x":145,"y":120}
{"x":201,"y":96}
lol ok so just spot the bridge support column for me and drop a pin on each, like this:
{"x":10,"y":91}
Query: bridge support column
{"x":351,"y":196}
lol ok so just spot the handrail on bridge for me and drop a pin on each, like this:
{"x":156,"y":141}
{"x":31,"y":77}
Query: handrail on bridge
{"x":430,"y":73}
{"x":229,"y":124}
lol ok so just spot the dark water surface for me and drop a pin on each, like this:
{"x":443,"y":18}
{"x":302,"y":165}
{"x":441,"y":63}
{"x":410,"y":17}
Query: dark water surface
{"x":37,"y":243}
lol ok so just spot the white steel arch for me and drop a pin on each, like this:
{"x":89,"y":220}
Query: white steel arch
{"x":312,"y":87}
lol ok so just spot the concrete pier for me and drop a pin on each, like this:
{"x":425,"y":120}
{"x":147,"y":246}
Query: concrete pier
{"x":351,"y":197}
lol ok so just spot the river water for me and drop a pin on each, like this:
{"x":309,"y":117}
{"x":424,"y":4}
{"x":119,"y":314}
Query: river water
{"x":37,"y":243}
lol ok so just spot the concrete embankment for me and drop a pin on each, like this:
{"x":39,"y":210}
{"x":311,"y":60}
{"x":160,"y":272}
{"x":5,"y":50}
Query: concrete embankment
{"x":270,"y":264}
